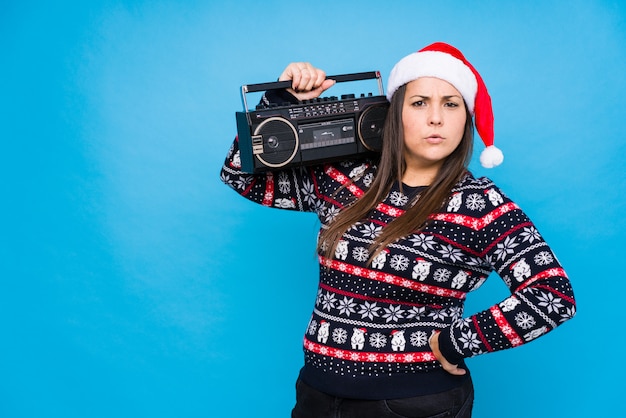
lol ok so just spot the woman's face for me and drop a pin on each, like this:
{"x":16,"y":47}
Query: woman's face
{"x":433,"y":119}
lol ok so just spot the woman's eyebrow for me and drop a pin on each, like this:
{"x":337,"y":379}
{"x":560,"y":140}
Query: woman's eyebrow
{"x":447,"y":97}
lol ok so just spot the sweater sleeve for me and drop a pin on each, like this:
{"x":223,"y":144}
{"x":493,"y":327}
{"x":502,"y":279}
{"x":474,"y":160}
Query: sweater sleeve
{"x":541,"y":293}
{"x":291,"y":189}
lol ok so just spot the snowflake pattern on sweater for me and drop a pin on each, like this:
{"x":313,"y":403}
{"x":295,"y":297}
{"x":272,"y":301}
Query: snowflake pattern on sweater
{"x":374,"y":321}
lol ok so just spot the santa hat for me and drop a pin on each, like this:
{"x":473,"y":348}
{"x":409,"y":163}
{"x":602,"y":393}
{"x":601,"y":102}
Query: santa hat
{"x":447,"y":63}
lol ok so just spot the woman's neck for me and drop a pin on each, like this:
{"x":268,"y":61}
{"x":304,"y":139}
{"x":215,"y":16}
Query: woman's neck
{"x":419,"y":177}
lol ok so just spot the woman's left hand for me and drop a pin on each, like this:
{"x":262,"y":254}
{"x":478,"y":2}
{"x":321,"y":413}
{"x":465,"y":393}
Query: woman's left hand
{"x":447,"y":366}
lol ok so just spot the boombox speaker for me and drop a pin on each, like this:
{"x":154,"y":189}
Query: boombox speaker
{"x":312,"y":131}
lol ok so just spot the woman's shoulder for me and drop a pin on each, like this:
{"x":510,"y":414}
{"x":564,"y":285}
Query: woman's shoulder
{"x":476,"y":195}
{"x":470,"y":183}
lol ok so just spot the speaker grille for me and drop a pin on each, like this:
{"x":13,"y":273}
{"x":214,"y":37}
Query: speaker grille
{"x":280,"y":142}
{"x":370,"y":126}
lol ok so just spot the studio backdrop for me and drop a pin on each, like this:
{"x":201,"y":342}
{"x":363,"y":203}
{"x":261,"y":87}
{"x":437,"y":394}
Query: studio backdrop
{"x":135,"y":284}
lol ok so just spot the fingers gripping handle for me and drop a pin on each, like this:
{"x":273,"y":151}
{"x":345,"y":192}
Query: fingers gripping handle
{"x":251,"y":88}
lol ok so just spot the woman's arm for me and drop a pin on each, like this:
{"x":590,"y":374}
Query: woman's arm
{"x":294,"y":188}
{"x":541,"y":293}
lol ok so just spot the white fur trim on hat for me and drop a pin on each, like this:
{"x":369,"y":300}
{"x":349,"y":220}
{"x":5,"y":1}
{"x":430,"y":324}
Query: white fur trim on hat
{"x":434,"y":64}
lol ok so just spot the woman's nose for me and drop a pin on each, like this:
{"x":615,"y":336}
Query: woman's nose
{"x":434,"y":118}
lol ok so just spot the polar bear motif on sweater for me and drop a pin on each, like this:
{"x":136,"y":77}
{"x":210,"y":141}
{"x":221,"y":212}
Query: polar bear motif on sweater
{"x":494,"y":197}
{"x":341,"y":252}
{"x":285,"y":203}
{"x":459,"y":280}
{"x":455,"y":202}
{"x":521,"y":270}
{"x":357,"y":171}
{"x":381,"y":258}
{"x":323,"y":332}
{"x":509,"y":304}
{"x":421,"y":269}
{"x":398,"y":342}
{"x":358,"y":338}
{"x":236,"y":160}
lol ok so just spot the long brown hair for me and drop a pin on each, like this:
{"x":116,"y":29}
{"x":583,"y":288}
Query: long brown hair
{"x":390,"y":169}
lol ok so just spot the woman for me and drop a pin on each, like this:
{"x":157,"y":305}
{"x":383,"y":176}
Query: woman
{"x":403,"y":239}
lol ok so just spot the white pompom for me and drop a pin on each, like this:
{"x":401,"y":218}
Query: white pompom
{"x":491,"y":157}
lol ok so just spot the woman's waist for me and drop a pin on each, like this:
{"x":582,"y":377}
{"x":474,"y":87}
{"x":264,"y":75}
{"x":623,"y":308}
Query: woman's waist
{"x":372,"y":336}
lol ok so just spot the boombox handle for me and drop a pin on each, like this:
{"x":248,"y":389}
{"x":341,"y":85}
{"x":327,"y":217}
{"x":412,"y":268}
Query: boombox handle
{"x":251,"y":88}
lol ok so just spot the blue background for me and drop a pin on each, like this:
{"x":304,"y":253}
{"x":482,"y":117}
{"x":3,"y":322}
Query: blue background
{"x":135,"y":284}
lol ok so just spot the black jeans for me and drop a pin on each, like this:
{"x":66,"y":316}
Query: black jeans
{"x":457,"y":403}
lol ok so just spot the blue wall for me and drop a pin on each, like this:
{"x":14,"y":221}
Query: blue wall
{"x":128,"y":270}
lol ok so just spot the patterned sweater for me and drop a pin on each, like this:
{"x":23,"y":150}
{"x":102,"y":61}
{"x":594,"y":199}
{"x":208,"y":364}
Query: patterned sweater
{"x":368,"y":334}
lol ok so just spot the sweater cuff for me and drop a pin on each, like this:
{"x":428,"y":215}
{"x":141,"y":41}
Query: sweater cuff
{"x":447,"y":348}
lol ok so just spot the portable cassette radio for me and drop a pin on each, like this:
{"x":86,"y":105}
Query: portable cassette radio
{"x":312,"y":131}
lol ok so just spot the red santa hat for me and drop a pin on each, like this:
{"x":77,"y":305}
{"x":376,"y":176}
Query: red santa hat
{"x":447,"y":63}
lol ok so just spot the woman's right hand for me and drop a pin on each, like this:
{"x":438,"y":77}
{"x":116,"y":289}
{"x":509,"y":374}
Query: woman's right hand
{"x":454,"y":369}
{"x":307,"y":82}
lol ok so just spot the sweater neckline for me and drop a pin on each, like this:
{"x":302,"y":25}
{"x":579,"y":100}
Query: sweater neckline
{"x":409,"y":190}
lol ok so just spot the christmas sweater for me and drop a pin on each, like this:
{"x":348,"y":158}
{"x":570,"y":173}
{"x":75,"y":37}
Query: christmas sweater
{"x":368,"y":334}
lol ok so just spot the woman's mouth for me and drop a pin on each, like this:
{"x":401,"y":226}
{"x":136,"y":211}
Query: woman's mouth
{"x":434,"y":139}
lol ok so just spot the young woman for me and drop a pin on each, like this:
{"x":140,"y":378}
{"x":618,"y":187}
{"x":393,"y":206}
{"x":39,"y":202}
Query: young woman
{"x":403,"y":240}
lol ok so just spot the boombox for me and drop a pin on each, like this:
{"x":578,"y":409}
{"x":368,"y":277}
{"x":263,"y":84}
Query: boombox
{"x":311,"y":131}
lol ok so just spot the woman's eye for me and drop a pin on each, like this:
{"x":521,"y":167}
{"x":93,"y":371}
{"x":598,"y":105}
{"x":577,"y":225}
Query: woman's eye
{"x":418,"y":103}
{"x":452,"y":104}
